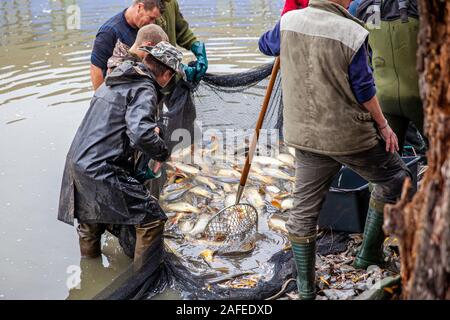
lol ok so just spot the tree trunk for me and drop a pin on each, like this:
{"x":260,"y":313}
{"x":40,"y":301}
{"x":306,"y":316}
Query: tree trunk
{"x":423,"y":225}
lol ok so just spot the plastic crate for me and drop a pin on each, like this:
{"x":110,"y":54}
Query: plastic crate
{"x":346,"y":203}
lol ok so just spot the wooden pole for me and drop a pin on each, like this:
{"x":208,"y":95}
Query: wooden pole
{"x":259,"y":123}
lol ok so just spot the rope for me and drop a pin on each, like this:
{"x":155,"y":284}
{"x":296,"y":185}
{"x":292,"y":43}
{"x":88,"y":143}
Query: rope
{"x":282,"y":291}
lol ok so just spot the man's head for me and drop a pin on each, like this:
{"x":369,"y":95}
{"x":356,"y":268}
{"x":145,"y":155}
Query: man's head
{"x":344,"y":3}
{"x":164,"y":60}
{"x":149,"y":35}
{"x":144,"y":12}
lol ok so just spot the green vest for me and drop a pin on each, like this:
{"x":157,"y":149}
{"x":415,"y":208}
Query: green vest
{"x":321,"y":113}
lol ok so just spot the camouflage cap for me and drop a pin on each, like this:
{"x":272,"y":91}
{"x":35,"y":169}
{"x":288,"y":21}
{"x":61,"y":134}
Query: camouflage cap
{"x":166,"y":54}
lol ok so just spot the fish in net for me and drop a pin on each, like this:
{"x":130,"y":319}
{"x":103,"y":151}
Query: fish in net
{"x":220,"y":102}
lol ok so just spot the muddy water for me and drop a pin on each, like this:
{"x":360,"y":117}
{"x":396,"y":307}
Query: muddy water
{"x":44,"y":94}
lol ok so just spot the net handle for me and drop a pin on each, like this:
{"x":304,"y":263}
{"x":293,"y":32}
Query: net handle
{"x":259,"y":124}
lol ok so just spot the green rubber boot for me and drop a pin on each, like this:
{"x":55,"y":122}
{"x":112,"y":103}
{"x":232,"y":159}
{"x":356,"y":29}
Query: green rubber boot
{"x":371,"y":252}
{"x":304,"y":250}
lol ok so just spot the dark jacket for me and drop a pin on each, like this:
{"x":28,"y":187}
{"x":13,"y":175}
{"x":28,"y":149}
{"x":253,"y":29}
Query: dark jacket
{"x":98,"y":184}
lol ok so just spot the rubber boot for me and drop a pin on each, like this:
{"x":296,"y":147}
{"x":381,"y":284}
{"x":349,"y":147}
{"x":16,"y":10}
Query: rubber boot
{"x":304,"y":250}
{"x":90,"y":239}
{"x":146,"y":235}
{"x":371,"y":252}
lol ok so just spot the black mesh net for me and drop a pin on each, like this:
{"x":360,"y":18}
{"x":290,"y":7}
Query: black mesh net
{"x":241,"y":96}
{"x":164,"y":268}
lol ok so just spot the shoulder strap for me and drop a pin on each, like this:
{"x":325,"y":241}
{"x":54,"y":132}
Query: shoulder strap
{"x":403,"y":7}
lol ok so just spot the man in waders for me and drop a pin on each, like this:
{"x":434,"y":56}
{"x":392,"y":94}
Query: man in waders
{"x":149,"y":35}
{"x":394,"y":27}
{"x":99,"y":186}
{"x":333,"y":118}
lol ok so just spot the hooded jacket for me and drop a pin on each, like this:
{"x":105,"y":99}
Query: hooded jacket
{"x":98,"y":184}
{"x":294,"y":5}
{"x":121,"y":53}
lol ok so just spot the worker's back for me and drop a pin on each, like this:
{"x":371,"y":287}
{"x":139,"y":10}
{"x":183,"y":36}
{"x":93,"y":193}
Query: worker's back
{"x":97,"y":182}
{"x":321,"y":112}
{"x":102,"y":138}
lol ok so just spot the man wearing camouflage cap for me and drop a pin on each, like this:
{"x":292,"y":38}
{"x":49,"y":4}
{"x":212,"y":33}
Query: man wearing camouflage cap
{"x":167,"y":55}
{"x":99,"y":187}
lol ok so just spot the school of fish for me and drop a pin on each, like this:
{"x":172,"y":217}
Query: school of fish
{"x":201,"y":184}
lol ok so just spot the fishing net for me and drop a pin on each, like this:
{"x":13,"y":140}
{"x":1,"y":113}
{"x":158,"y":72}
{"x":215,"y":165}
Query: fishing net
{"x":225,"y":108}
{"x":217,"y":105}
{"x":228,"y":105}
{"x":234,"y":223}
{"x":260,"y":263}
{"x":221,"y":102}
{"x":164,"y":268}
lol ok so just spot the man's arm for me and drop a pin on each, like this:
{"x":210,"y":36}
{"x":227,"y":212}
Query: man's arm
{"x":96,"y":77}
{"x":142,"y":126}
{"x":363,"y":86}
{"x":104,"y":44}
{"x":354,"y":7}
{"x":373,"y":106}
{"x":361,"y":76}
{"x":185,"y":36}
{"x":269,"y":43}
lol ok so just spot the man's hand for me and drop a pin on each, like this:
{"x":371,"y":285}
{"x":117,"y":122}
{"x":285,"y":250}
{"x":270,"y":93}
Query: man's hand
{"x":190,"y":72}
{"x":199,"y":50}
{"x":373,"y":106}
{"x":389,"y":137}
{"x":157,"y":167}
{"x":161,"y":130}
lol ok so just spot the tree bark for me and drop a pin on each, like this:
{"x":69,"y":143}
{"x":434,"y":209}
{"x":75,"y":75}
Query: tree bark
{"x":423,"y":225}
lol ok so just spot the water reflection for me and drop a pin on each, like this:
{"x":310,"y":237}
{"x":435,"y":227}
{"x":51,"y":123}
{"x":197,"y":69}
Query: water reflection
{"x":36,"y":41}
{"x":92,"y":275}
{"x":44,"y":92}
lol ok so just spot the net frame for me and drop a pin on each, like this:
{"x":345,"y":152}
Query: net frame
{"x":233,"y":224}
